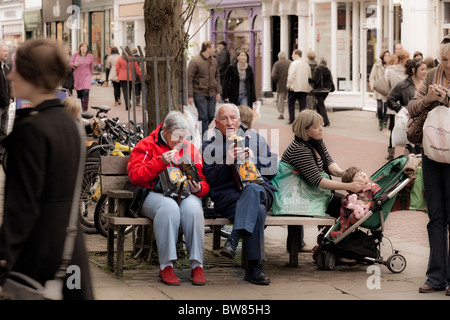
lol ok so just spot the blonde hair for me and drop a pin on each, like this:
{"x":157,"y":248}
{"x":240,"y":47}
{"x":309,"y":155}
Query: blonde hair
{"x":304,"y":120}
{"x":311,"y":55}
{"x":73,"y":106}
{"x":246,"y":116}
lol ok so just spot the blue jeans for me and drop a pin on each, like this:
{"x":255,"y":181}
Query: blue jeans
{"x":206,"y":107}
{"x":382,"y":111}
{"x":436,"y":180}
{"x":243,"y":100}
{"x":249,"y":215}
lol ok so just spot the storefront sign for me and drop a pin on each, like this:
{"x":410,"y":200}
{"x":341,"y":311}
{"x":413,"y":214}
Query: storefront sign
{"x":57,"y":10}
{"x":32,"y":20}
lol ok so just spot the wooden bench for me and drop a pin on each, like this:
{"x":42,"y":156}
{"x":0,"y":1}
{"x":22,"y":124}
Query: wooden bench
{"x":113,"y":175}
{"x":289,"y":221}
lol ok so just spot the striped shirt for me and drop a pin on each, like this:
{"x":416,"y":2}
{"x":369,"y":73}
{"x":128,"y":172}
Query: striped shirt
{"x":300,"y":156}
{"x":434,"y":76}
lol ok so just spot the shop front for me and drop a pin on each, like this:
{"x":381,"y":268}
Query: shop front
{"x":97,"y":27}
{"x":11,"y":17}
{"x":129,"y":23}
{"x":56,"y":15}
{"x":32,"y":20}
{"x":240,"y":26}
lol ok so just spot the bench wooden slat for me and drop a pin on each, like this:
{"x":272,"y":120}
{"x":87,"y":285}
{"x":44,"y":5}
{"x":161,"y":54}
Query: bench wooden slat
{"x":120,"y":194}
{"x":125,"y":221}
{"x":113,"y":165}
{"x":282,"y":221}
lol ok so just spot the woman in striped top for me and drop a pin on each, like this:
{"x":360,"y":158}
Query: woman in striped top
{"x":436,"y":176}
{"x":309,"y":155}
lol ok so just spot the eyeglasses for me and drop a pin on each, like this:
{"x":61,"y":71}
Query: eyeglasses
{"x":446,"y":39}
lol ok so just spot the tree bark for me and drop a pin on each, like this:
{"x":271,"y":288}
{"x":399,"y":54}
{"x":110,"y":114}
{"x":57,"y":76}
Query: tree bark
{"x":163,"y":28}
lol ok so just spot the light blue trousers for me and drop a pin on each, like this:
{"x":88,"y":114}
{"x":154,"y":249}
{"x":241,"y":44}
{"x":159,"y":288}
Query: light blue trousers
{"x":167,"y":216}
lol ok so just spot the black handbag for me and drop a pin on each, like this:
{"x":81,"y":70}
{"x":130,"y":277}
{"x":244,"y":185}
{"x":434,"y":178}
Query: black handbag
{"x":139,"y":195}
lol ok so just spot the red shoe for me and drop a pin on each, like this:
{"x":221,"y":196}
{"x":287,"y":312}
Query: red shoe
{"x":198,"y":276}
{"x":168,"y":277}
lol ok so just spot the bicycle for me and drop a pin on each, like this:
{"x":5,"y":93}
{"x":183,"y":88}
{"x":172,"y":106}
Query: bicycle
{"x":120,"y":148}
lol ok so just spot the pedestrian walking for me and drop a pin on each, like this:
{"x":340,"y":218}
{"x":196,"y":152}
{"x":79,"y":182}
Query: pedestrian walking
{"x":44,"y":150}
{"x":404,"y":91}
{"x":279,"y":76}
{"x":204,"y":89}
{"x":394,"y":74}
{"x":297,"y":83}
{"x":111,"y":63}
{"x":436,"y":175}
{"x":311,"y":100}
{"x":323,"y":85}
{"x":376,"y":74}
{"x":82,"y":63}
{"x":223,"y":60}
{"x":239,"y":83}
{"x":126,"y":80}
{"x":68,"y":81}
{"x":5,"y":95}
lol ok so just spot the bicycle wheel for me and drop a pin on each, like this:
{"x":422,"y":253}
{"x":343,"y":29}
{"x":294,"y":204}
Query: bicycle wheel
{"x":101,"y":210}
{"x":90,"y":193}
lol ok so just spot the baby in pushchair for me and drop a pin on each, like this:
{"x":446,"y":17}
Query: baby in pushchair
{"x":355,"y":205}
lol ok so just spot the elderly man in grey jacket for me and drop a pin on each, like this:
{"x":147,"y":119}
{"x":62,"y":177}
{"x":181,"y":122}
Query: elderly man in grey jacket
{"x":279,"y":76}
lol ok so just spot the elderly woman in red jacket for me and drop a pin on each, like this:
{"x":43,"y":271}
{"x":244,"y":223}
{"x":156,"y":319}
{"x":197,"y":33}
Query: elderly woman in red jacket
{"x":162,"y":148}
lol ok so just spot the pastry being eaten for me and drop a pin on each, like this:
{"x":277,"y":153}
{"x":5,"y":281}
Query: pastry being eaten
{"x":235,"y":137}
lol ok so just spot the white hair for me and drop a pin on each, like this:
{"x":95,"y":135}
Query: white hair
{"x":227,"y":104}
{"x":176,"y":120}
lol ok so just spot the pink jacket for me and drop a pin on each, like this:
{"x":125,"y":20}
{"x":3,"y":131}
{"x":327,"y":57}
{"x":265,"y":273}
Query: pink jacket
{"x":82,"y":74}
{"x":121,"y":69}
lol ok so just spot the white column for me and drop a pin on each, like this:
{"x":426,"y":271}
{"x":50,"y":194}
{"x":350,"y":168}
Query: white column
{"x":267,"y":61}
{"x":284,"y":34}
{"x":303,"y":27}
{"x":356,"y":47}
{"x":333,"y":61}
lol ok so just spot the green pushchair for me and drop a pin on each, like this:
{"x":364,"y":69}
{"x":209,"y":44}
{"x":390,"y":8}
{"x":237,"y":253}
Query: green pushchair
{"x":365,"y":246}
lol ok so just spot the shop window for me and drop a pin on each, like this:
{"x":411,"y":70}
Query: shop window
{"x":322,"y":34}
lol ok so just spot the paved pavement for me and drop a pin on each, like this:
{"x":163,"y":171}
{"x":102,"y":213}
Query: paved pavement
{"x":352,"y":139}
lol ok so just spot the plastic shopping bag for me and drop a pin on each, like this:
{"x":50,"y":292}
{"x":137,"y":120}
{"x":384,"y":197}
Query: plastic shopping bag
{"x":417,"y":199}
{"x":296,"y":196}
{"x":436,"y":135}
{"x":399,"y":131}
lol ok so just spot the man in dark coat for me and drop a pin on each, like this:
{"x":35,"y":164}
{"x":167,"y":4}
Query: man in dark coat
{"x":248,"y":207}
{"x":223,"y":60}
{"x":279,"y":76}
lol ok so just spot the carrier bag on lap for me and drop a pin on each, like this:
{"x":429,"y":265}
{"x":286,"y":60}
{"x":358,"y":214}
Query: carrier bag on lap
{"x":296,"y":196}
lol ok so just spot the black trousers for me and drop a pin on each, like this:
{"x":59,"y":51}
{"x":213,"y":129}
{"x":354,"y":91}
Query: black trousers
{"x":292,"y":98}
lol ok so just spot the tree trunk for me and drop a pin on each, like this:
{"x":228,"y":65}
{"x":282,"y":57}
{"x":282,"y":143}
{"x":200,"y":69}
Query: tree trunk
{"x":163,"y":27}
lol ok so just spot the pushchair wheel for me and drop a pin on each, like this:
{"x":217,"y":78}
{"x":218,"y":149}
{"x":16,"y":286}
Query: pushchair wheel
{"x":396,"y":263}
{"x":326,"y":260}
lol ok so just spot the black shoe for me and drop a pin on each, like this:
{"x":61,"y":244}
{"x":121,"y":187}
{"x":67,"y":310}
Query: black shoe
{"x":229,"y":249}
{"x":255,"y":274}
